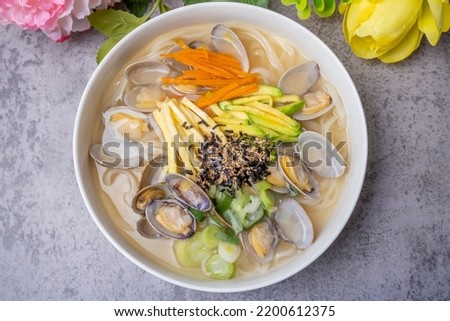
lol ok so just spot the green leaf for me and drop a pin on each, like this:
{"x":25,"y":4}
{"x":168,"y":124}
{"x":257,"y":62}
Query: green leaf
{"x":319,"y":5}
{"x":259,"y":3}
{"x":305,"y":13}
{"x":137,"y":7}
{"x":107,"y":46}
{"x":324,"y":8}
{"x":288,"y":2}
{"x":302,"y":5}
{"x":114,"y":22}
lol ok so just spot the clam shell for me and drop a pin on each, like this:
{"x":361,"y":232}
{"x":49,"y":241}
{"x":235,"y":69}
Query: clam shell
{"x":145,"y":230}
{"x":300,"y":115}
{"x":226,"y":41}
{"x":299,"y":79}
{"x":293,"y":223}
{"x":152,"y":173}
{"x":101,"y":157}
{"x":247,"y":244}
{"x":289,"y":149}
{"x":129,"y":142}
{"x":187,"y":192}
{"x":151,"y":213}
{"x":146,"y":195}
{"x":320,"y":155}
{"x":144,"y":98}
{"x":172,"y":62}
{"x":146,"y":72}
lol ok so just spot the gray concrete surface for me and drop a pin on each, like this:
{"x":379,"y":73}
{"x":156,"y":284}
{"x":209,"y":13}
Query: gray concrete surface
{"x":395,"y":246}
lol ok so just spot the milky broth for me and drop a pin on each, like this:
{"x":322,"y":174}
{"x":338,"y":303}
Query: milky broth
{"x":118,"y":187}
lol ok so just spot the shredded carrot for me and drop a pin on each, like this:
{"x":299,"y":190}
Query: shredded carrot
{"x":222,"y":74}
{"x":207,"y":82}
{"x":241,"y":91}
{"x":216,"y":95}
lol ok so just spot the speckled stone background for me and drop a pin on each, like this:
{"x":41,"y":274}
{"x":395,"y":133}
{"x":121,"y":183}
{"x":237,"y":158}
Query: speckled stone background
{"x":395,"y":246}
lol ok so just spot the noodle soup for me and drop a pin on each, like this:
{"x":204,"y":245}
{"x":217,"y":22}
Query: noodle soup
{"x":269,"y":58}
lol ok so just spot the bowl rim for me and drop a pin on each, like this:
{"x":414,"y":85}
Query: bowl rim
{"x":217,"y":286}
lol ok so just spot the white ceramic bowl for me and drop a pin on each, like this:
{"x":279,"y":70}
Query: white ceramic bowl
{"x":89,"y":113}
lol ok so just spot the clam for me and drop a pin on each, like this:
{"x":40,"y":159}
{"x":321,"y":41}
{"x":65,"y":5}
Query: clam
{"x":299,"y":178}
{"x":316,"y":104}
{"x":147,"y":195}
{"x":100,"y":155}
{"x":171,"y":218}
{"x":144,"y":98}
{"x":122,"y":121}
{"x":187,"y":192}
{"x":196,"y":44}
{"x":226,"y":41}
{"x":146,"y":72}
{"x":152,"y":173}
{"x":300,"y":78}
{"x":146,"y":84}
{"x":125,"y":139}
{"x":320,"y":155}
{"x":188,"y":89}
{"x":172,"y":62}
{"x":293,"y":223}
{"x":277,"y":180}
{"x":260,"y":241}
{"x":146,"y":230}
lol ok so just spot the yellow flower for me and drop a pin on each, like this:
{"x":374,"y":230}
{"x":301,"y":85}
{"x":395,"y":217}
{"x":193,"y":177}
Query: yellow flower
{"x":392,"y":29}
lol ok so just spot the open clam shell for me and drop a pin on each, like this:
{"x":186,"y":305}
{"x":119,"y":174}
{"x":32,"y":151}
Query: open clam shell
{"x":317,"y":104}
{"x":147,"y":195}
{"x":171,"y":218}
{"x":187,"y":192}
{"x":172,"y":62}
{"x":145,"y":230}
{"x":153,"y":172}
{"x":299,"y":78}
{"x":121,"y":121}
{"x":100,"y":155}
{"x":144,"y":98}
{"x":293,"y":224}
{"x":226,"y":41}
{"x":125,"y":138}
{"x":260,"y":241}
{"x":299,"y":178}
{"x":320,"y":155}
{"x":146,"y":72}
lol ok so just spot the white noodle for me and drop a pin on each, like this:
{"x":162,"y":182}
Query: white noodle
{"x":267,"y":76}
{"x":273,"y":59}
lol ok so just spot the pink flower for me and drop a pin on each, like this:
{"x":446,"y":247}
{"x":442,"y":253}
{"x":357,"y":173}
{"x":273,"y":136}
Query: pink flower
{"x":56,"y":18}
